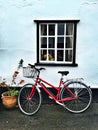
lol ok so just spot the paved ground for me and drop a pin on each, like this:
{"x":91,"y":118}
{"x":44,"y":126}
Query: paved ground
{"x":50,"y":117}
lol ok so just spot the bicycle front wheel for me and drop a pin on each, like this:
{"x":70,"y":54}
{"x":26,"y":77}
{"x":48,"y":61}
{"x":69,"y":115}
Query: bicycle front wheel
{"x":83,"y":93}
{"x":29,"y":105}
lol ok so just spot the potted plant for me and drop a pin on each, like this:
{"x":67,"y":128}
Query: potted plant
{"x":9,"y":98}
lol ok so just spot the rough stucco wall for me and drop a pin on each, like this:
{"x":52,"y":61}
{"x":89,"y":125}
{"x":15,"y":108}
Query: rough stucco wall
{"x":87,"y":41}
{"x":18,"y":34}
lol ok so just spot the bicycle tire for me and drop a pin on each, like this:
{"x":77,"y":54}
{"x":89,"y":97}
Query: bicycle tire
{"x":32,"y":105}
{"x":84,"y":94}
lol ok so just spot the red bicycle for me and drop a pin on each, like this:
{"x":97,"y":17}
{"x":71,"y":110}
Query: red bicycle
{"x":72,"y":94}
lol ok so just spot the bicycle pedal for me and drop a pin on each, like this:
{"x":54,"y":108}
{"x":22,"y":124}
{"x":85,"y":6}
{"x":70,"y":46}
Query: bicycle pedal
{"x":60,"y":103}
{"x":50,"y":97}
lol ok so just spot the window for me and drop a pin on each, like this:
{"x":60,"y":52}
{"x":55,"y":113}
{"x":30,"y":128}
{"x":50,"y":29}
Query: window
{"x":56,"y":42}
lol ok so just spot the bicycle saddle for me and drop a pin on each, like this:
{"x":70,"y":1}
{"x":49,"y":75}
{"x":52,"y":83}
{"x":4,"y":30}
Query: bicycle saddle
{"x":63,"y":72}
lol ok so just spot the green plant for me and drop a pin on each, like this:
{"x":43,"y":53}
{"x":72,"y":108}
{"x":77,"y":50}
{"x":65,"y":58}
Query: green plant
{"x":12,"y":92}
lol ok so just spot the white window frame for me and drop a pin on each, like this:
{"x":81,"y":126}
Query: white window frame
{"x":73,"y":36}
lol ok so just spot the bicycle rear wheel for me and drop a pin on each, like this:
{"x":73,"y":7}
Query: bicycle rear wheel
{"x":83,"y":93}
{"x":29,"y":106}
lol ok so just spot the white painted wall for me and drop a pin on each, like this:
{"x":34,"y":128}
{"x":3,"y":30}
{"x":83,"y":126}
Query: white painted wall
{"x":18,"y":35}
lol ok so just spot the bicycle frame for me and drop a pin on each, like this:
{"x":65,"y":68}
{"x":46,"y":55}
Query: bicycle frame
{"x":39,"y":81}
{"x":72,"y":94}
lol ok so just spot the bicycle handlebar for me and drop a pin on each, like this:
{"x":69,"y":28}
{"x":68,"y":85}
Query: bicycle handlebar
{"x":38,"y":69}
{"x":42,"y":69}
{"x":32,"y":66}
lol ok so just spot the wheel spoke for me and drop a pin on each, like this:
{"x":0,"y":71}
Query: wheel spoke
{"x":29,"y":106}
{"x":83,"y":94}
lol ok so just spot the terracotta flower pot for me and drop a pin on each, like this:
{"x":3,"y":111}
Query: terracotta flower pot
{"x":9,"y":101}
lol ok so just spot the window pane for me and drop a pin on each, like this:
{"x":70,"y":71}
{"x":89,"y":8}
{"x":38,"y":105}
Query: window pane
{"x":51,"y":42}
{"x":51,"y":55}
{"x":60,"y":29}
{"x":51,"y":30}
{"x":43,"y":54}
{"x":69,"y":28}
{"x":69,"y":42}
{"x":43,"y":42}
{"x":60,"y":55}
{"x":68,"y":55}
{"x":60,"y":42}
{"x":43,"y":29}
{"x":56,"y":41}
